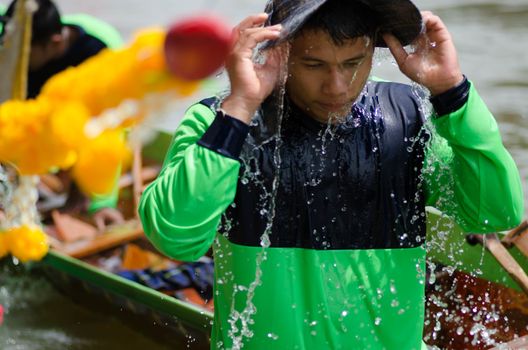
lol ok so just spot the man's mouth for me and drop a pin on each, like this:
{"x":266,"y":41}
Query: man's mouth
{"x":334,"y":107}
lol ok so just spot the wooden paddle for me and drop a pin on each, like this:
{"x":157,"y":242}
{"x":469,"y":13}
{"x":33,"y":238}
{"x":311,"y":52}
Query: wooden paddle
{"x":518,"y":237}
{"x":501,"y":254}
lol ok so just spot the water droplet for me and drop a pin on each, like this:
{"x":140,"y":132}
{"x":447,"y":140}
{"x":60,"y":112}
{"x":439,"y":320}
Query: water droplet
{"x":344,"y":313}
{"x":377,"y":321}
{"x":265,"y":241}
{"x":273,"y":336}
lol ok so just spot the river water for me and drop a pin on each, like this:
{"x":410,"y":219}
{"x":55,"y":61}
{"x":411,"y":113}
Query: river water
{"x":491,"y":37}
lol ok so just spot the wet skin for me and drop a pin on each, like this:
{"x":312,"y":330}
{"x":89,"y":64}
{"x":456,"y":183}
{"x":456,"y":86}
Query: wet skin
{"x":325,"y":78}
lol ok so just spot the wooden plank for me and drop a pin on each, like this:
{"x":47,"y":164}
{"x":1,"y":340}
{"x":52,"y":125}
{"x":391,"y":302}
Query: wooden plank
{"x":116,"y":236}
{"x":70,"y":229}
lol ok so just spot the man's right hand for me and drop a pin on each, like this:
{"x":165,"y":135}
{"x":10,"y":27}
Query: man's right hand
{"x":251,"y":83}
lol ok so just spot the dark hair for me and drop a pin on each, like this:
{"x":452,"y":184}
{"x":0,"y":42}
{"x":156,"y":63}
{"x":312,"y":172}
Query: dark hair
{"x":343,"y":20}
{"x":46,"y":21}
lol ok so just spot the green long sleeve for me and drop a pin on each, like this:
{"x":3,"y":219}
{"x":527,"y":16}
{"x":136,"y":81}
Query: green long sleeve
{"x":181,"y":209}
{"x":472,"y":177}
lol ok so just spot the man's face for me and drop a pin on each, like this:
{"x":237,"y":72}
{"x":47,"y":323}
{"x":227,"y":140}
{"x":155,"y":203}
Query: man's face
{"x":325,"y":79}
{"x":41,"y":54}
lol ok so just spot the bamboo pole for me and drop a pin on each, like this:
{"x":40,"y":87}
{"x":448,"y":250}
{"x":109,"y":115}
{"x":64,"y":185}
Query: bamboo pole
{"x":136,"y":176}
{"x":14,"y":54}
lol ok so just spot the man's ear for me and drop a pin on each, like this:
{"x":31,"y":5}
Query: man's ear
{"x":57,"y":44}
{"x":56,"y":38}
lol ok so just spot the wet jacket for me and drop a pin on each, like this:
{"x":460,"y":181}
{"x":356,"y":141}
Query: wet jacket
{"x":319,"y":234}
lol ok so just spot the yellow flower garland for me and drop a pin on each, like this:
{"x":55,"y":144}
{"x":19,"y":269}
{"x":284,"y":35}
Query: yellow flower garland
{"x":94,"y":171}
{"x":25,"y":243}
{"x":36,"y":136}
{"x":47,"y":133}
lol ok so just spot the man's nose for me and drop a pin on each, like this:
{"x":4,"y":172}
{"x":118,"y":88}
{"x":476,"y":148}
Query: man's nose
{"x":336,"y":82}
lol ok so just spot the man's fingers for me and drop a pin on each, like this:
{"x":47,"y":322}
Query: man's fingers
{"x":252,"y":21}
{"x":435,"y":28}
{"x":426,"y":14}
{"x":396,"y":48}
{"x":254,"y":36}
{"x":249,"y":22}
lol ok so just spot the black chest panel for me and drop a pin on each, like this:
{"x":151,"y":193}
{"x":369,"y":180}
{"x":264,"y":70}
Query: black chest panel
{"x":355,"y":185}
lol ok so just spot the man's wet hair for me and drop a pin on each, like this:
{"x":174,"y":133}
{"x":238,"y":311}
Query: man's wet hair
{"x":343,"y":20}
{"x":46,"y":21}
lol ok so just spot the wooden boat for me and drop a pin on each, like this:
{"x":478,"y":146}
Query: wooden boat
{"x":478,"y":277}
{"x":71,"y":271}
{"x":477,"y":294}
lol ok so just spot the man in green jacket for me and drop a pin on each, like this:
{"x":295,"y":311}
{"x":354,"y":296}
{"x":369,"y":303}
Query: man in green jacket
{"x":311,"y":179}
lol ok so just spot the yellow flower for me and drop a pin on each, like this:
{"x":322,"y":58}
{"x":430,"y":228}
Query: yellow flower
{"x":27,"y":243}
{"x":99,"y":161}
{"x":67,"y":124}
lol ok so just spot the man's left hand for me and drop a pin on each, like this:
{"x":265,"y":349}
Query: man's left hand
{"x":434,"y":63}
{"x":107,"y":216}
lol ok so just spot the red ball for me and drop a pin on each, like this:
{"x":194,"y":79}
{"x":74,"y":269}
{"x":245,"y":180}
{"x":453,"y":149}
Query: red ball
{"x":197,"y":47}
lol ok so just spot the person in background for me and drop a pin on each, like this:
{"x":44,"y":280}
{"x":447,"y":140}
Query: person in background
{"x":61,"y":42}
{"x":57,"y":43}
